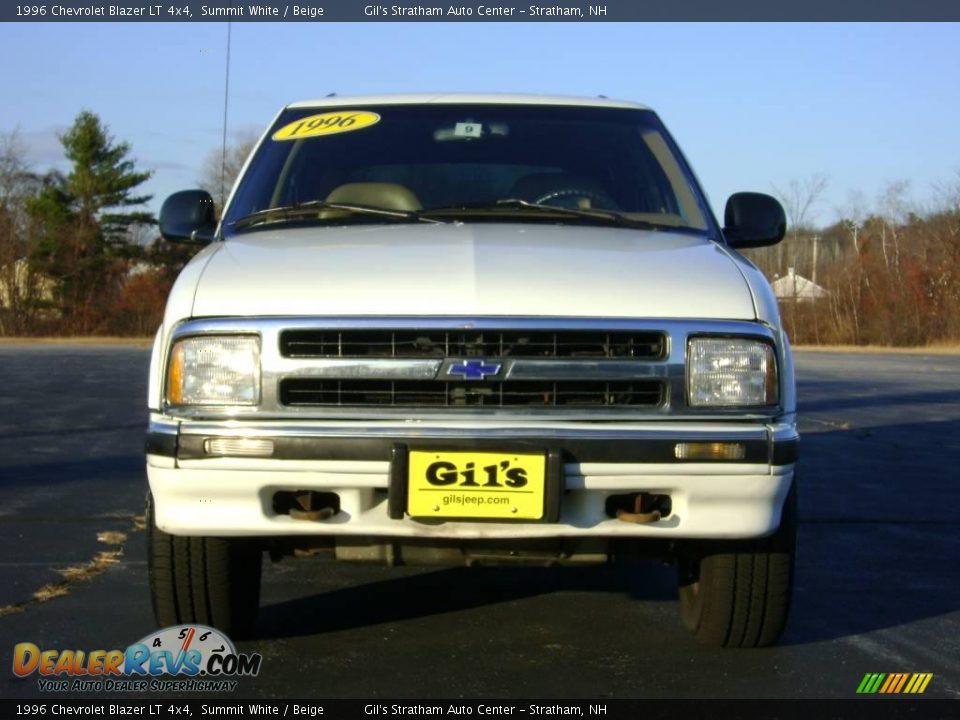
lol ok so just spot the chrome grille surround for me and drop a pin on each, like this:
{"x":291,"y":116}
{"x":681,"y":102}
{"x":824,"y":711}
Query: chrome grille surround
{"x":668,"y":370}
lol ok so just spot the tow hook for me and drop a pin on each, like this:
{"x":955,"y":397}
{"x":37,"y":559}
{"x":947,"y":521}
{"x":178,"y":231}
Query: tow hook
{"x":321,"y":514}
{"x":308,"y":505}
{"x":639,"y":515}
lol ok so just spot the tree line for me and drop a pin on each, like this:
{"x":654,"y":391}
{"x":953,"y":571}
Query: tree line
{"x":80,"y":256}
{"x":890,"y":274}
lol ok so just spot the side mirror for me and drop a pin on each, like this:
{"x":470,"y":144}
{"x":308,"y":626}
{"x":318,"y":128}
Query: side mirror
{"x":753,"y":220}
{"x":188,"y":217}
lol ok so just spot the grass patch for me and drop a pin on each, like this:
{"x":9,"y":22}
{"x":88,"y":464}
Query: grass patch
{"x":73,"y":574}
{"x":935,"y":349}
{"x":94,"y":340}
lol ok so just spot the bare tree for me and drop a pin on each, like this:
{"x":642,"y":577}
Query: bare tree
{"x":799,"y":196}
{"x":894,"y":208}
{"x":231,"y":162}
{"x":855,"y":214}
{"x":798,"y":199}
{"x":947,"y":200}
{"x":20,"y":285}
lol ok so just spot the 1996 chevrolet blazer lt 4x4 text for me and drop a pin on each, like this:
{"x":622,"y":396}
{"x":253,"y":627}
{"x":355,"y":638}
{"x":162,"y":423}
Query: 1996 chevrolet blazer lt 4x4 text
{"x":472,"y":328}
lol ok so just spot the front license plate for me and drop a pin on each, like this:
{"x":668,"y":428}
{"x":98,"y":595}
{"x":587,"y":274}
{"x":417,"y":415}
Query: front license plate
{"x":482,"y":485}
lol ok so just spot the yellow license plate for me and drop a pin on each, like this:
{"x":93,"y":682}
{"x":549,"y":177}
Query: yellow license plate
{"x":483,"y":485}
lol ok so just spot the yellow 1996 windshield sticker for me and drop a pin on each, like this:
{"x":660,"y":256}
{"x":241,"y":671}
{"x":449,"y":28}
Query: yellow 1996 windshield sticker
{"x":329,"y":123}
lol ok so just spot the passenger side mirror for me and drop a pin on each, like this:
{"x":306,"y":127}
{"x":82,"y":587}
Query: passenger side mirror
{"x":188,"y":217}
{"x":753,"y":220}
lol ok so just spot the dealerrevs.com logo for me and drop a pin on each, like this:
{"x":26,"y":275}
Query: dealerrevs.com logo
{"x":182,"y":658}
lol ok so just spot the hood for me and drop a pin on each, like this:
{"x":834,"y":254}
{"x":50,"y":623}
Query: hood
{"x":475,"y":269}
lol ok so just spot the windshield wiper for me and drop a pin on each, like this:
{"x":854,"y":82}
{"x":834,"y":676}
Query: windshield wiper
{"x":606,"y":216}
{"x":306,"y":209}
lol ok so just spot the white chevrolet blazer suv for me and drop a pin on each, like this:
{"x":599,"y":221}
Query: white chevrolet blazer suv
{"x":472,"y":329}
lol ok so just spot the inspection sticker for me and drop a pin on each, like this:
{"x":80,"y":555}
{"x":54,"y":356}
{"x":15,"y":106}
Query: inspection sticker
{"x":329,"y":123}
{"x":468,"y":130}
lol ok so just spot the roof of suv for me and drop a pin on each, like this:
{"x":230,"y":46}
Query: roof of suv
{"x":465,"y":98}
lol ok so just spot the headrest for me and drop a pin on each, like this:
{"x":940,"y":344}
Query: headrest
{"x":389,"y":196}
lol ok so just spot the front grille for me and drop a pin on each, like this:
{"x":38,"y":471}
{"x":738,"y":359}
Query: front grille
{"x":309,"y":392}
{"x":361,"y":343}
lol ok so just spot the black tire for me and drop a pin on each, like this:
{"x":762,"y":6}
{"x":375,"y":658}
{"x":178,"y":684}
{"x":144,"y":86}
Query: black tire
{"x":738,"y":594}
{"x":206,"y":580}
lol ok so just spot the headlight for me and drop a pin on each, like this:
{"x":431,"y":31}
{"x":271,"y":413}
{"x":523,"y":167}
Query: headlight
{"x":730,"y":372}
{"x":214,"y":371}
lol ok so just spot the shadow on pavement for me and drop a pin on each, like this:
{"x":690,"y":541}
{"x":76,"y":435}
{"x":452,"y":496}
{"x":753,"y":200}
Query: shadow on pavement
{"x":94,"y":471}
{"x":454,"y":589}
{"x":879,"y":535}
{"x":879,"y":530}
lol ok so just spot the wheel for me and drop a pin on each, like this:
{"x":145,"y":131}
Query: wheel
{"x":205,"y":580}
{"x":572,"y":197}
{"x":738,"y":595}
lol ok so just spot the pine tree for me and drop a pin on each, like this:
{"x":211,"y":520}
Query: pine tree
{"x":102,"y":178}
{"x":83,"y":220}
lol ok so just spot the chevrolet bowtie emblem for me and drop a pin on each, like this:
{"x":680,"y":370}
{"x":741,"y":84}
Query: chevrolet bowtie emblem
{"x":474,"y":369}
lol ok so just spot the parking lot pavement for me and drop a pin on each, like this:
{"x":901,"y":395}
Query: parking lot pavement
{"x":877,"y":586}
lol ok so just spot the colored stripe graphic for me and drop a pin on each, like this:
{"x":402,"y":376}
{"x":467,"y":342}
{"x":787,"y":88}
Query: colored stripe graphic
{"x":871,"y":683}
{"x":891,"y":681}
{"x":918,"y":683}
{"x":902,"y":679}
{"x":894,"y":683}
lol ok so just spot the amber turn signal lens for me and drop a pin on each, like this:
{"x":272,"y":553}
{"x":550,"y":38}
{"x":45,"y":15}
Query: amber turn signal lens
{"x":710,"y":451}
{"x":175,"y":376}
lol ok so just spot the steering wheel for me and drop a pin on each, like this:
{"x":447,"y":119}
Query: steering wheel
{"x":571,"y":197}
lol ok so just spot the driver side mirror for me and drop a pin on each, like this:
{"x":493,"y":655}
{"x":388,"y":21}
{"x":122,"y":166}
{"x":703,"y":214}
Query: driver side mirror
{"x":753,"y":220}
{"x":188,"y":217}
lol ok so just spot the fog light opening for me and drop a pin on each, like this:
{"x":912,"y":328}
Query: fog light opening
{"x":639,"y":507}
{"x":306,"y":504}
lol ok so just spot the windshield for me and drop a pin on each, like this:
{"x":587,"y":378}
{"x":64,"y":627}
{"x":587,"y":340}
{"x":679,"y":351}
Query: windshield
{"x":515,"y":163}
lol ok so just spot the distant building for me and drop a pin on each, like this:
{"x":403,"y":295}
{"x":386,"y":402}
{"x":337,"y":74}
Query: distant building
{"x":20,"y":279}
{"x":797,"y":288}
{"x":140,"y":268}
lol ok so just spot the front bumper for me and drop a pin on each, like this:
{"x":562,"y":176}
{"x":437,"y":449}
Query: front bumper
{"x":196,"y":494}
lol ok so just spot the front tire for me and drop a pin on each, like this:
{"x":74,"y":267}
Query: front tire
{"x":738,"y":594}
{"x":205,"y":580}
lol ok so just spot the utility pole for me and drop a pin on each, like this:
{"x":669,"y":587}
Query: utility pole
{"x":816,"y":244}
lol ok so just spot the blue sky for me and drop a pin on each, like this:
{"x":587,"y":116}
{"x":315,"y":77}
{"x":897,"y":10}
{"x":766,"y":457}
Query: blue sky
{"x":752,"y":105}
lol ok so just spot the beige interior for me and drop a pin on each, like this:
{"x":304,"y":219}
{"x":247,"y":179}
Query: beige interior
{"x":389,"y":196}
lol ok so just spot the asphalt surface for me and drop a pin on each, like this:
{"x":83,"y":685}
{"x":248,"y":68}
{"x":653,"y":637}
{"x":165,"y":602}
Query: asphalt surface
{"x":877,"y":587}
